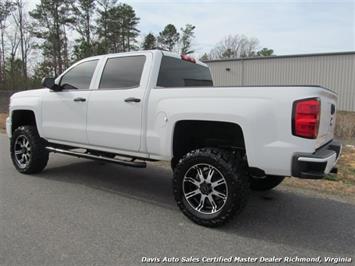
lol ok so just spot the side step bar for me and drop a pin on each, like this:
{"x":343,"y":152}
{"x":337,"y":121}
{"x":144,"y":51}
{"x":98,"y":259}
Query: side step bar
{"x":98,"y":157}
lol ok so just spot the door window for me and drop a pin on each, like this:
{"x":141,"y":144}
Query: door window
{"x":122,"y":72}
{"x":79,"y":77}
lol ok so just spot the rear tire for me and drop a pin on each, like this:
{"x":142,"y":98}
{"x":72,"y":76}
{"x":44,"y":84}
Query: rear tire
{"x":28,"y":152}
{"x":210,"y":186}
{"x":267,"y":183}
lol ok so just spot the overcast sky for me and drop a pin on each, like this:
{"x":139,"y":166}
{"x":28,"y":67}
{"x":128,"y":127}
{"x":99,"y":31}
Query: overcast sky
{"x":287,"y":26}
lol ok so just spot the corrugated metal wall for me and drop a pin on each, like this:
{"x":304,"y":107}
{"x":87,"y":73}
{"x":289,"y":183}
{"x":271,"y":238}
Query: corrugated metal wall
{"x":334,"y":71}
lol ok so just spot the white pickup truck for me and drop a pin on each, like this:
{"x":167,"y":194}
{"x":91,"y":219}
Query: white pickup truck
{"x":134,"y":107}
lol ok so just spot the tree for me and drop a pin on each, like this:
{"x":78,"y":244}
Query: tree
{"x":43,"y":69}
{"x":83,"y":12}
{"x":235,"y":47}
{"x":265,"y":52}
{"x":150,"y":42}
{"x":5,"y":10}
{"x":25,"y":36}
{"x":204,"y":57}
{"x":51,"y":17}
{"x":11,"y":67}
{"x":129,"y":27}
{"x":102,"y":24}
{"x":168,"y":38}
{"x":187,"y":35}
{"x":117,"y":27}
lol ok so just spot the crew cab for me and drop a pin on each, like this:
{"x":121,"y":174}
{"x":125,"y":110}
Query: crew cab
{"x":134,"y":107}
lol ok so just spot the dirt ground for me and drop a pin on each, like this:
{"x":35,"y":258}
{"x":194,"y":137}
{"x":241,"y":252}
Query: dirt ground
{"x":2,"y":121}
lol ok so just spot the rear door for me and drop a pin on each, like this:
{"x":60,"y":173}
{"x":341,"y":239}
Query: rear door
{"x":116,"y":105}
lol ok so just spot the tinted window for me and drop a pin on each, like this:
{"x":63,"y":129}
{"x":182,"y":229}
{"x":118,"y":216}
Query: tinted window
{"x":79,"y":76}
{"x":175,"y":72}
{"x":122,"y":72}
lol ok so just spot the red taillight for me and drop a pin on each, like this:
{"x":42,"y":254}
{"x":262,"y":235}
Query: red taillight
{"x":306,"y":118}
{"x":188,"y":58}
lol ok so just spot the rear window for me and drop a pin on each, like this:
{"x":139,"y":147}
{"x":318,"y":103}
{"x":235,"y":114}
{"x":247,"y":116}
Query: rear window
{"x":175,"y":72}
{"x":122,"y":72}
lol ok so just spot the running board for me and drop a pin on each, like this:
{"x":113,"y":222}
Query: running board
{"x":98,"y":157}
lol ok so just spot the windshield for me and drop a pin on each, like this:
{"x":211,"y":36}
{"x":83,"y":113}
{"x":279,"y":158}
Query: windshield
{"x":175,"y":72}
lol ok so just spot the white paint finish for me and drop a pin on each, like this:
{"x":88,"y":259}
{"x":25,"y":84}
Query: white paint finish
{"x":28,"y":100}
{"x":105,"y":122}
{"x":62,"y":117}
{"x":111,"y":121}
{"x":264,"y":115}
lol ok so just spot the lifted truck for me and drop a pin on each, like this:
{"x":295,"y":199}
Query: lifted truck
{"x":155,"y":105}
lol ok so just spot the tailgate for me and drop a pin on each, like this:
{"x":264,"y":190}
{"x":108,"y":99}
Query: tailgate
{"x":327,"y":117}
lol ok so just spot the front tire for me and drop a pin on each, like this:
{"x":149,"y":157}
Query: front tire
{"x":27,"y":149}
{"x":210,"y":186}
{"x":267,"y":183}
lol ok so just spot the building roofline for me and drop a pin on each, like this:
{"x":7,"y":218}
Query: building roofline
{"x":281,"y":56}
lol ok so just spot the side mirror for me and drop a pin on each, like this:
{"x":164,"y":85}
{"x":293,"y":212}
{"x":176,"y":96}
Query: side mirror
{"x":50,"y":84}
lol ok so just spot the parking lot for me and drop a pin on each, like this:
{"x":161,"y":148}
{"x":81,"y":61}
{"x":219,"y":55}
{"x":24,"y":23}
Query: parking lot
{"x":83,"y":212}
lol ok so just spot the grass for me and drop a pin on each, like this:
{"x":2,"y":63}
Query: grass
{"x":345,"y":125}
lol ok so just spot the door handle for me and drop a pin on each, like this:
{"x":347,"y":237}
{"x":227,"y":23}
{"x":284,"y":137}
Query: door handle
{"x":79,"y":99}
{"x":132,"y":100}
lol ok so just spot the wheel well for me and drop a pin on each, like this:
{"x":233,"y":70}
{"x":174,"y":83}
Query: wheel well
{"x":23,"y":118}
{"x":192,"y":134}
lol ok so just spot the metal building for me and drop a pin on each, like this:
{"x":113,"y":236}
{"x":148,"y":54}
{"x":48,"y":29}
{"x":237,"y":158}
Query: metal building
{"x":335,"y":71}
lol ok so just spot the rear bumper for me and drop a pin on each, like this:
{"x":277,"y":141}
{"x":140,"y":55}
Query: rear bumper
{"x":318,"y":164}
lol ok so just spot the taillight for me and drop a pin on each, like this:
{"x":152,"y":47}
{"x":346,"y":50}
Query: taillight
{"x":305,"y":122}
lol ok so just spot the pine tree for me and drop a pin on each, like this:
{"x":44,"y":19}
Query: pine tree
{"x":187,"y":35}
{"x":5,"y":9}
{"x":204,"y":57}
{"x":150,"y":42}
{"x":117,"y":28}
{"x":129,"y":27}
{"x":168,"y":38}
{"x":51,"y":17}
{"x":83,"y":11}
{"x":102,"y":25}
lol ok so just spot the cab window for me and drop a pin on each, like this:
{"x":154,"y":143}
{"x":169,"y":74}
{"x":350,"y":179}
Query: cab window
{"x":122,"y":72}
{"x":79,"y":77}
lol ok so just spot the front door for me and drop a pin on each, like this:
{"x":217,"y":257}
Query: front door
{"x":115,"y":107}
{"x":64,"y":112}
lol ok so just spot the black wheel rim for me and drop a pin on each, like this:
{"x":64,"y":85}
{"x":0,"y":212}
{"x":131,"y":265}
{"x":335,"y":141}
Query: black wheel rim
{"x":205,"y":188}
{"x":22,"y":151}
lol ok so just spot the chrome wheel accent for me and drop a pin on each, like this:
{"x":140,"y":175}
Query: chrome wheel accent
{"x":205,"y":188}
{"x":22,"y":151}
